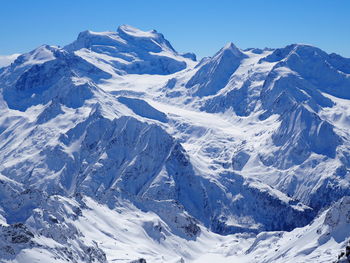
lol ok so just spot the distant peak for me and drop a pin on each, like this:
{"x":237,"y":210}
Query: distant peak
{"x":299,"y":49}
{"x":135,"y":32}
{"x":126,"y":27}
{"x":230,"y":47}
{"x":298,"y":45}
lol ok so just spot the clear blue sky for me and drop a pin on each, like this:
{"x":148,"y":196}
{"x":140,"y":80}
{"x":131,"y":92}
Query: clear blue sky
{"x":202,"y":26}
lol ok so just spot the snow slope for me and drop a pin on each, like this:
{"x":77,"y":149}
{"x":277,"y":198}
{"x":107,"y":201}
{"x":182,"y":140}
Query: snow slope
{"x":116,"y":147}
{"x":320,"y":241}
{"x":7,"y":60}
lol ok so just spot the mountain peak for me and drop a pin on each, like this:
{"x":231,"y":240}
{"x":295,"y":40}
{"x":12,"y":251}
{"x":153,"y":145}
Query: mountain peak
{"x":303,"y":50}
{"x":130,"y":50}
{"x":222,"y":65}
{"x":125,"y":35}
{"x":130,"y":33}
{"x":231,"y":48}
{"x":135,"y":32}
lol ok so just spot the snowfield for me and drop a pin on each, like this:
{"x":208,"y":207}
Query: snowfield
{"x":7,"y":60}
{"x":117,"y":148}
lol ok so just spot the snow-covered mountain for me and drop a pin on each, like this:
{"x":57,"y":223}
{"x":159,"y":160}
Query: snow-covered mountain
{"x":117,"y":147}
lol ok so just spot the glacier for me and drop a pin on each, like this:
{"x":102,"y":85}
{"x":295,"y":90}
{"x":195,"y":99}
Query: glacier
{"x":118,"y":148}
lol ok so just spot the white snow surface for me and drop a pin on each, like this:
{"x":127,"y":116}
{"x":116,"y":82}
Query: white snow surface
{"x":116,"y":148}
{"x":7,"y":60}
